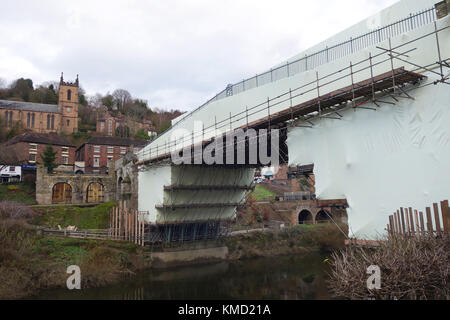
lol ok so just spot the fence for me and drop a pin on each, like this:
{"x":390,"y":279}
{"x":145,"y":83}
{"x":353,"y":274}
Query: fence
{"x":413,"y":222}
{"x":98,"y":234}
{"x":126,"y":224}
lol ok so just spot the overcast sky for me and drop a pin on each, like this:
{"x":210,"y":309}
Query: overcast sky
{"x":173,"y":53}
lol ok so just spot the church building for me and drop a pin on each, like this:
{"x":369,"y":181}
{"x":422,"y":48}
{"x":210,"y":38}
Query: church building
{"x":45,"y":118}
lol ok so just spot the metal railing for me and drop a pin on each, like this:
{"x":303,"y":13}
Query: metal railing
{"x":309,"y":62}
{"x":332,"y":53}
{"x":399,"y":26}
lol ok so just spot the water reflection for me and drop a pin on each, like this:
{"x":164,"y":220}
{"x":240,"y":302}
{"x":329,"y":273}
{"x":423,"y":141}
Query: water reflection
{"x":287,"y":277}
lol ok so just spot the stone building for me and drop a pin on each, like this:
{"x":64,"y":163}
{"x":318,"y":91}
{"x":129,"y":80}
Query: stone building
{"x":29,"y":147}
{"x":99,"y":152}
{"x":63,"y":186}
{"x":107,"y":123}
{"x":45,"y":118}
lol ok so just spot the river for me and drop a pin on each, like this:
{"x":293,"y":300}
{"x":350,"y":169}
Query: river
{"x":282,"y":277}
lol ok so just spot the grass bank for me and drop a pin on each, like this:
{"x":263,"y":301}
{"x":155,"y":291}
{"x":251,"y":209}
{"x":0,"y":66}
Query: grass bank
{"x":19,"y":192}
{"x":293,"y":240}
{"x":95,"y":217}
{"x":262,"y":193}
{"x":30,"y":262}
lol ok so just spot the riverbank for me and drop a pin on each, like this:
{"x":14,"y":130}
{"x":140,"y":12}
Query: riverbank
{"x":30,"y":262}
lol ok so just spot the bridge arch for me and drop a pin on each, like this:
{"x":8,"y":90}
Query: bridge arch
{"x":323,"y":216}
{"x":305,"y":217}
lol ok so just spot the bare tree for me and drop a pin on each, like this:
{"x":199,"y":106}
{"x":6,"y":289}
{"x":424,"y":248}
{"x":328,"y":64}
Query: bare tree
{"x":95,"y":100}
{"x":121,"y":98}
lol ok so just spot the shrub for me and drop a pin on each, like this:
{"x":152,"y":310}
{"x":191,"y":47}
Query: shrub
{"x":14,"y":210}
{"x":411,"y":268}
{"x":13,"y":188}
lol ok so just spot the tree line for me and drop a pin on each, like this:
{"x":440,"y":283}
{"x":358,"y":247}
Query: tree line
{"x":120,"y":101}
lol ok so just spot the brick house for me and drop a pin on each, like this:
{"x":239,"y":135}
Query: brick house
{"x":30,"y":146}
{"x":107,"y":123}
{"x":99,"y":151}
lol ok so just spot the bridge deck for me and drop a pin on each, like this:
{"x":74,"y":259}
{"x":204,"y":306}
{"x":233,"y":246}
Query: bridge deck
{"x":362,"y":89}
{"x":362,"y":92}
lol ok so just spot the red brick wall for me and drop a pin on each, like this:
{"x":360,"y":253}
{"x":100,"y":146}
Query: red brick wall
{"x":86,"y":154}
{"x":22,"y":150}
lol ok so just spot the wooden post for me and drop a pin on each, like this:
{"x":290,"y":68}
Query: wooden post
{"x":139,"y":230}
{"x":416,"y":222}
{"x":408,"y":227}
{"x":117,"y":222}
{"x":391,"y":224}
{"x":399,"y":222}
{"x":445,"y":211}
{"x":135,"y":226}
{"x":395,"y":222}
{"x":143,"y":231}
{"x":403,"y":221}
{"x":429,"y":220}
{"x":422,"y":225}
{"x":412,"y":221}
{"x":436,"y":218}
{"x":119,"y":217}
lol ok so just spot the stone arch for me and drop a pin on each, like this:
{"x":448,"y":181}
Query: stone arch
{"x":61,"y":193}
{"x":305,"y":217}
{"x":323,"y":216}
{"x":95,"y":192}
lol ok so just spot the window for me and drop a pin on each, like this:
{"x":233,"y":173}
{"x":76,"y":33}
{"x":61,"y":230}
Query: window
{"x":102,"y":126}
{"x":123,"y":150}
{"x":33,"y":147}
{"x":28,"y":120}
{"x":65,"y":149}
{"x":96,"y":161}
{"x":32,"y":120}
{"x":97,"y":149}
{"x":68,"y":109}
{"x":53,"y":122}
{"x":32,"y":157}
{"x":68,"y":122}
{"x":110,"y":159}
{"x":65,"y":160}
{"x":110,"y":127}
{"x":110,"y":149}
{"x":48,"y":122}
{"x":12,"y":169}
{"x":69,"y":94}
{"x":6,"y":118}
{"x":10,"y":118}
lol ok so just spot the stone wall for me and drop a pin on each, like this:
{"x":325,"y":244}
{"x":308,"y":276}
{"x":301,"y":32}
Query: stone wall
{"x":78,"y":182}
{"x":126,"y":180}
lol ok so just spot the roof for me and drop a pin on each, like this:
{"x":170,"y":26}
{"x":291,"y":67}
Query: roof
{"x":29,"y":106}
{"x":116,"y":141}
{"x":41,"y":138}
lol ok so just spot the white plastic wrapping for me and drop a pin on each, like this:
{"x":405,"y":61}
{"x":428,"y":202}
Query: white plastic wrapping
{"x":381,"y":160}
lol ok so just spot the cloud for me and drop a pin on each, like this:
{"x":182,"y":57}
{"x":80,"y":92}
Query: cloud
{"x":173,"y":53}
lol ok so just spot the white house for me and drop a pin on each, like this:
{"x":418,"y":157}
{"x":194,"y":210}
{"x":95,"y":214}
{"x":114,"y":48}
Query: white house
{"x":10,"y":173}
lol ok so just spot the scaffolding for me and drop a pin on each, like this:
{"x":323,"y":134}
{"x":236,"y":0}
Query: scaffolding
{"x":391,"y":84}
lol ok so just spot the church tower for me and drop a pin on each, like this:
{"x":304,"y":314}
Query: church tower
{"x":68,"y":104}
